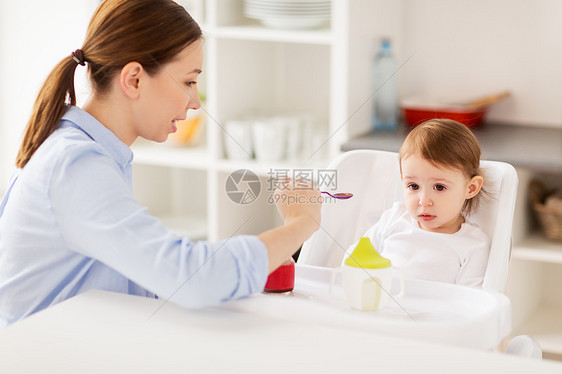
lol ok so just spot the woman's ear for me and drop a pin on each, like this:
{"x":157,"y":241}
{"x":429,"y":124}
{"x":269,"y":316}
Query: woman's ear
{"x":474,"y":186}
{"x":130,"y":79}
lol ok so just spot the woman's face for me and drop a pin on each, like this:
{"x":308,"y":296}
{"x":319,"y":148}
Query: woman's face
{"x":167,"y":96}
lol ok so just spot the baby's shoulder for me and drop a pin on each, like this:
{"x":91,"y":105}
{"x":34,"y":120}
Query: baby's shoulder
{"x":471,"y":240}
{"x":472,"y":231}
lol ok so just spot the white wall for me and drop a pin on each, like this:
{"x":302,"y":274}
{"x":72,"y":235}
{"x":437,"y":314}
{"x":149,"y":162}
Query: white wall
{"x":481,"y":46}
{"x":34,"y":36}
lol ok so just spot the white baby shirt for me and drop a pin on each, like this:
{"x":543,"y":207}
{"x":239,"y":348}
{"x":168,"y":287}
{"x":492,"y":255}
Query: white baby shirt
{"x":459,"y":258}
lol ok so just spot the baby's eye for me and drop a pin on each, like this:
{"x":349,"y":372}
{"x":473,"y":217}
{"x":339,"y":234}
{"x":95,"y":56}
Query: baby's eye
{"x":413,"y":186}
{"x":440,"y":187}
{"x":190,"y":83}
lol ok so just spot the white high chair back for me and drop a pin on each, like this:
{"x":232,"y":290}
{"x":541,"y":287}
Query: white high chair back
{"x":374,"y":179}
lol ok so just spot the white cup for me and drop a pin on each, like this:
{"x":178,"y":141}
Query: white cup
{"x":238,"y":139}
{"x":270,"y":139}
{"x":294,"y":137}
{"x":367,"y":289}
{"x":315,"y":144}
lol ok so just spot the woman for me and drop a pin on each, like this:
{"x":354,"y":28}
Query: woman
{"x":69,"y":222}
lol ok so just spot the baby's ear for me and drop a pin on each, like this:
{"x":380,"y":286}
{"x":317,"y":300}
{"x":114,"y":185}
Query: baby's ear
{"x":474,"y":186}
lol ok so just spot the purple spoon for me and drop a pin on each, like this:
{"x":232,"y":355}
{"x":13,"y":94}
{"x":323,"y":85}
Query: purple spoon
{"x":339,"y":195}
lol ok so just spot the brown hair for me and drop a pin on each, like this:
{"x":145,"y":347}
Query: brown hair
{"x":446,"y":143}
{"x":150,"y":32}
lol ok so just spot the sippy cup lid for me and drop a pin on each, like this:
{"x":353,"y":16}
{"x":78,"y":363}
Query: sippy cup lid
{"x":365,"y":256}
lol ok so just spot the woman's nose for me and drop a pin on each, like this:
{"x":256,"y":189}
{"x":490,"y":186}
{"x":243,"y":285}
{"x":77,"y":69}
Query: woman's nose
{"x":194,"y":102}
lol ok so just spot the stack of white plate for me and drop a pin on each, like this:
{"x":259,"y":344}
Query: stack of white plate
{"x":289,"y":14}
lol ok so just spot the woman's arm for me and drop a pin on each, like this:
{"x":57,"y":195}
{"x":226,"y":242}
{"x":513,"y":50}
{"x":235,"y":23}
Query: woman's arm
{"x":99,"y":218}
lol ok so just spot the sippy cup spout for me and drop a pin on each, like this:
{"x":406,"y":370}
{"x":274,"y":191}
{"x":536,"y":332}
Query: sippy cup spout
{"x":366,"y":256}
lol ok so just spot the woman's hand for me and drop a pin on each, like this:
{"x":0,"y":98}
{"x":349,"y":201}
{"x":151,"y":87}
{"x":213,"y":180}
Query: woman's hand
{"x":299,"y":204}
{"x":299,"y":200}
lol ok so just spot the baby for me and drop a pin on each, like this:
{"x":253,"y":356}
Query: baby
{"x":428,"y":235}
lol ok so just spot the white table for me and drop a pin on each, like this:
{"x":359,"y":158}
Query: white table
{"x":101,"y":332}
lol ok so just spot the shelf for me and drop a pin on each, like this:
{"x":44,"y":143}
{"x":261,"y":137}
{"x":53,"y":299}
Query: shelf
{"x":264,"y":168}
{"x":531,"y":147}
{"x":256,"y":32}
{"x":195,"y":228}
{"x":197,"y":158}
{"x":536,"y":247}
{"x":545,"y":325}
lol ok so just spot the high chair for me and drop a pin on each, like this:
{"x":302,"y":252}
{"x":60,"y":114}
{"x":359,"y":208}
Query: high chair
{"x":374,"y":179}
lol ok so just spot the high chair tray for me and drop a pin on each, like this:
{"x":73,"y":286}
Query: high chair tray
{"x":429,"y":311}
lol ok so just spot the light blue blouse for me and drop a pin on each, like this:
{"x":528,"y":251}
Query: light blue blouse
{"x":69,"y":223}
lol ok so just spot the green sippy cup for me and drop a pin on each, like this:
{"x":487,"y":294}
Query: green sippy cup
{"x":367,"y":278}
{"x":366,"y":256}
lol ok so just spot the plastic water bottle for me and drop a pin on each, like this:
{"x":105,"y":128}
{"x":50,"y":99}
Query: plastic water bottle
{"x":386,"y":89}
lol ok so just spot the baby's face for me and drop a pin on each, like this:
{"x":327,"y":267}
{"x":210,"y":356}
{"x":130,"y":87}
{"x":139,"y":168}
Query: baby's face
{"x":434,"y":195}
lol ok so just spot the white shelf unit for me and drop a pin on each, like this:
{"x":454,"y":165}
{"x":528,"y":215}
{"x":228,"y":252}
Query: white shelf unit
{"x":178,"y":196}
{"x":254,"y":70}
{"x":535,"y":274}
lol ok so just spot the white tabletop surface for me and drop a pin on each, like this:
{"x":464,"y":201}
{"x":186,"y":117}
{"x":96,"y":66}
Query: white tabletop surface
{"x":101,"y":332}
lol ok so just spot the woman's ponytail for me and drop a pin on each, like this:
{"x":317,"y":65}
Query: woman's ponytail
{"x":150,"y":32}
{"x":54,"y":96}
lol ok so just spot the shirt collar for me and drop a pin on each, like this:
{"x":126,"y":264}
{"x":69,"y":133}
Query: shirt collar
{"x":100,"y":134}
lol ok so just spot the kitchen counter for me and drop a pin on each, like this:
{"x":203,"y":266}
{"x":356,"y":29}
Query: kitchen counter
{"x":536,"y":148}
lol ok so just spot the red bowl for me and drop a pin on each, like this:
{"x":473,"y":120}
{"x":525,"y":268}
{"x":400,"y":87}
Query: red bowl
{"x":416,"y":111}
{"x":282,"y":279}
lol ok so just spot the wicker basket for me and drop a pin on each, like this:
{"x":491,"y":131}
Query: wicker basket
{"x":550,"y":217}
